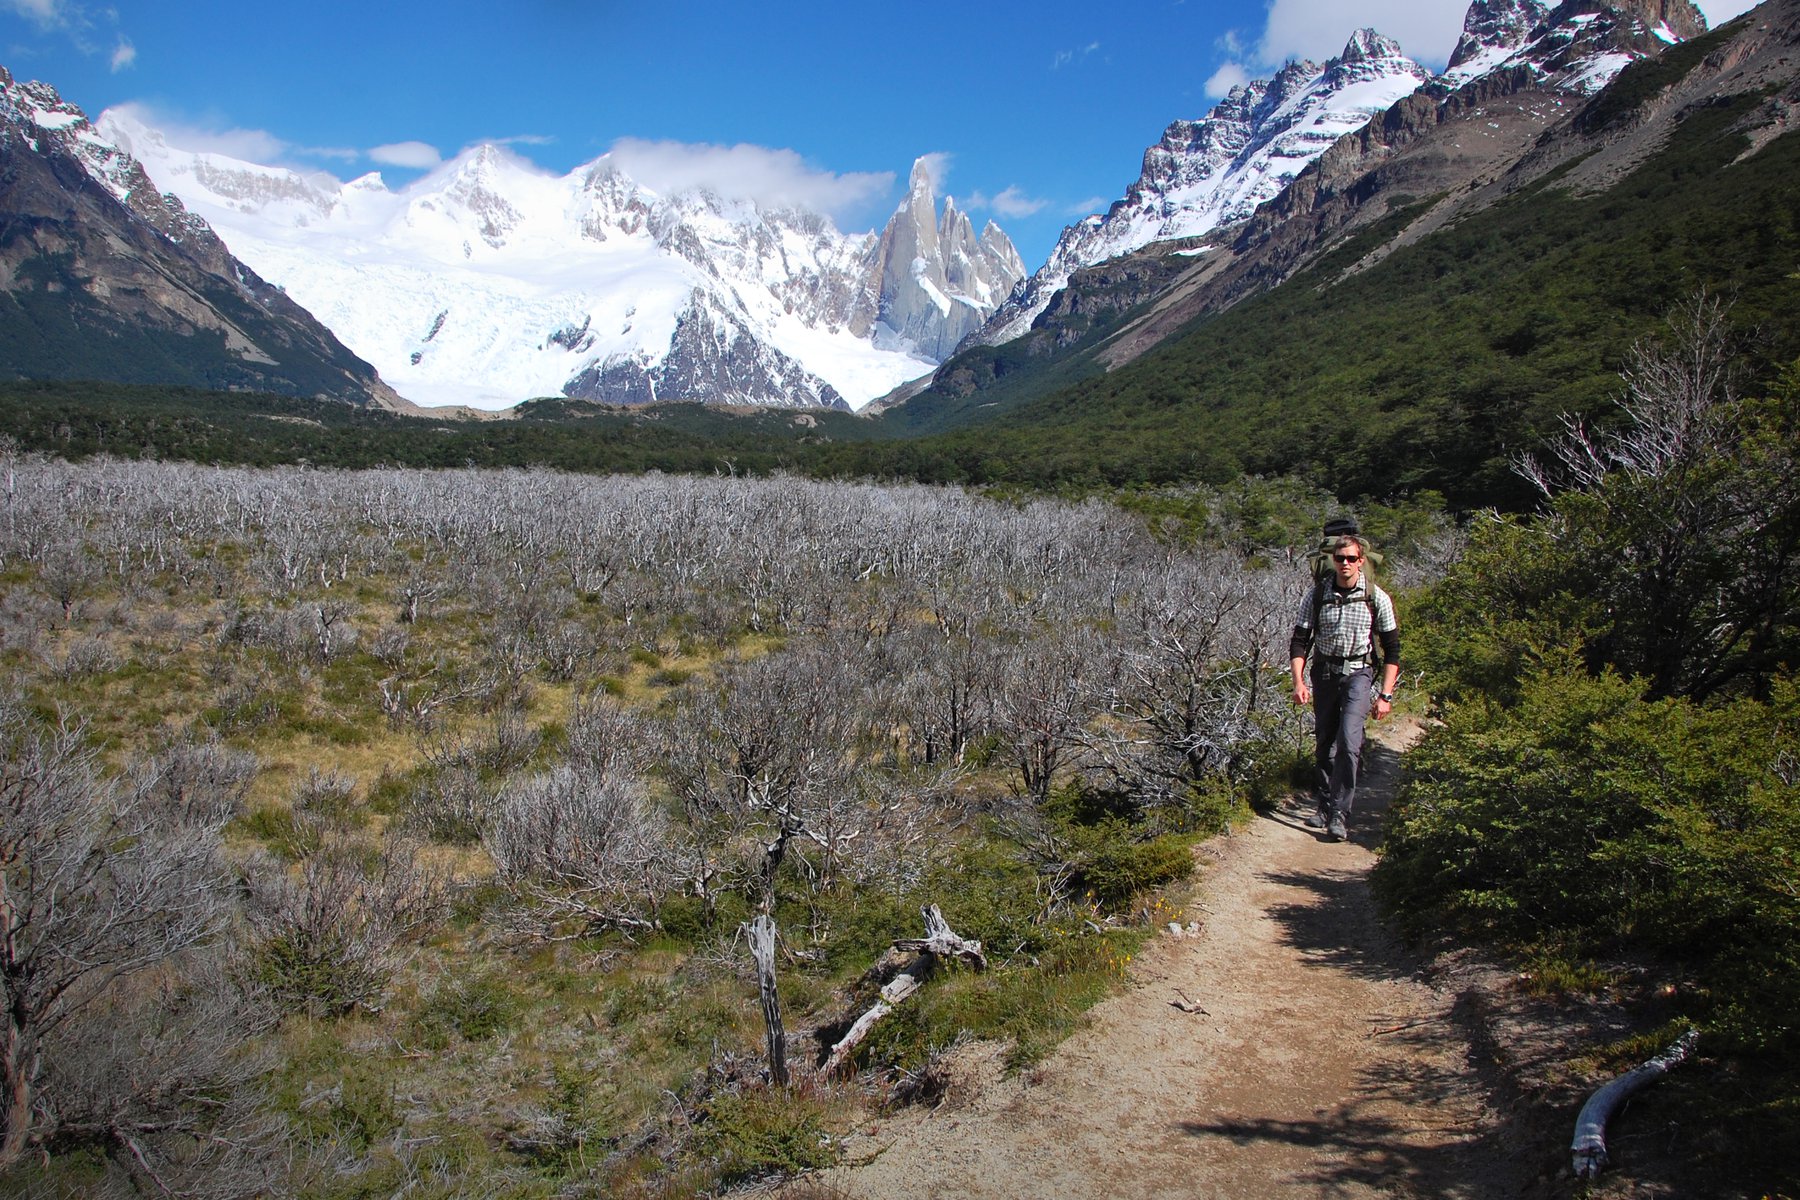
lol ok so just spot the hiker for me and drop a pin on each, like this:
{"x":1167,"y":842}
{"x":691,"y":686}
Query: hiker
{"x":1347,"y":622}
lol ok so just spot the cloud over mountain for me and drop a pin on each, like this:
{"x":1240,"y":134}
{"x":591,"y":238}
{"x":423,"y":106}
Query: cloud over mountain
{"x":772,"y":178}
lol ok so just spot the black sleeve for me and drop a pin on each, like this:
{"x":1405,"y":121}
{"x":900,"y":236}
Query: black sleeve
{"x":1390,"y":646}
{"x":1301,"y":642}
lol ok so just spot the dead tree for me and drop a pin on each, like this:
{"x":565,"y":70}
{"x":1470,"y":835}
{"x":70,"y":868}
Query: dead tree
{"x":100,"y":887}
{"x":761,"y":933}
{"x":940,"y":941}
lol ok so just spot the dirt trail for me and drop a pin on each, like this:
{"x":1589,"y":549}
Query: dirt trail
{"x":1320,"y":1062}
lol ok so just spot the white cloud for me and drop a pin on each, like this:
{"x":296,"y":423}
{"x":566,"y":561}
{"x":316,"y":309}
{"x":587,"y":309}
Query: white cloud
{"x":251,"y":145}
{"x":1717,"y":12}
{"x":87,"y":31}
{"x":418,"y":156}
{"x":774,"y":178}
{"x":261,"y":146}
{"x":1011,"y":203}
{"x":937,"y":168}
{"x":1318,"y":29}
{"x":1090,"y":206}
{"x":47,"y":14}
{"x":1225,"y":78}
{"x":1064,"y":57}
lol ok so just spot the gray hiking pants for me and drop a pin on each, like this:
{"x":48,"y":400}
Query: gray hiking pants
{"x":1340,"y":709}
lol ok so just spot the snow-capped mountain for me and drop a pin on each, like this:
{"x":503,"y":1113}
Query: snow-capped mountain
{"x":1578,"y":46}
{"x":490,"y":281}
{"x":1216,"y":170}
{"x":939,"y":282}
{"x":105,"y":278}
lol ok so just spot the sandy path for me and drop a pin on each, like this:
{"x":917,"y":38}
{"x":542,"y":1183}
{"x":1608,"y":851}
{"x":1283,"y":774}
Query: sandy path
{"x":1321,"y":1065}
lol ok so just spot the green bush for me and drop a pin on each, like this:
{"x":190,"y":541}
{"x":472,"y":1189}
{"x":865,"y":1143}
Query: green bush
{"x":864,"y":924}
{"x":358,"y":1111}
{"x":1032,"y":1003}
{"x":474,"y":1009}
{"x":763,"y":1131}
{"x":285,"y":836}
{"x":1113,"y":868}
{"x":1590,"y":815}
{"x":989,"y":891}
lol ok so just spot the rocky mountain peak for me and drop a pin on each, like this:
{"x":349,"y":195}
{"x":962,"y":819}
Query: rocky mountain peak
{"x":1678,"y":17}
{"x":1496,"y":24}
{"x":934,"y":281}
{"x":477,"y":186}
{"x":1366,"y":44}
{"x":1576,"y":46}
{"x":919,"y":182}
{"x":1215,"y":170}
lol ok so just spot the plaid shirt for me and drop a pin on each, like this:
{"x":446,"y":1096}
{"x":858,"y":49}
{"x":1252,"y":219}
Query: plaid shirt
{"x":1344,"y":636}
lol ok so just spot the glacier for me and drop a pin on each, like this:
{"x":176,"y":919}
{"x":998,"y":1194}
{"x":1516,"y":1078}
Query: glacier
{"x":490,"y":281}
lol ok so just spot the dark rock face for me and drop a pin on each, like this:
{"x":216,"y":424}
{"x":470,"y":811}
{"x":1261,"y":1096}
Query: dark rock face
{"x":617,"y":380}
{"x":1211,"y":173}
{"x":1496,"y":24}
{"x":712,"y":359}
{"x":102,"y":277}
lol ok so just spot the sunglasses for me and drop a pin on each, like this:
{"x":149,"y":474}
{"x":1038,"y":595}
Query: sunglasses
{"x":1346,"y":558}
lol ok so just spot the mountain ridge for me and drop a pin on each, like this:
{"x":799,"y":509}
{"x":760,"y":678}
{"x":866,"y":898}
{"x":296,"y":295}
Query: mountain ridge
{"x":1214,"y":171}
{"x":102,"y":275}
{"x":1519,"y":66}
{"x":1445,"y":333}
{"x":491,"y":281}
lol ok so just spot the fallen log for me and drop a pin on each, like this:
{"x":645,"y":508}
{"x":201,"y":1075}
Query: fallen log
{"x":940,"y":941}
{"x":1589,"y":1147}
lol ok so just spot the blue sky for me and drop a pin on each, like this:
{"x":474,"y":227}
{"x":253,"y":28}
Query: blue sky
{"x":1032,"y":113}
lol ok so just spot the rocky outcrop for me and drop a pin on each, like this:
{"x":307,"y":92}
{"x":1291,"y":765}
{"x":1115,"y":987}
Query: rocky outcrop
{"x":934,"y":280}
{"x":1495,"y":25}
{"x":103,"y":277}
{"x":1577,"y":46}
{"x":712,"y":358}
{"x":1205,"y":174}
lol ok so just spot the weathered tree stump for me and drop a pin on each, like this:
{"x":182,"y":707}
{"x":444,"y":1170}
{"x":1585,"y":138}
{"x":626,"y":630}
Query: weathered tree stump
{"x":940,"y":941}
{"x":762,"y":948}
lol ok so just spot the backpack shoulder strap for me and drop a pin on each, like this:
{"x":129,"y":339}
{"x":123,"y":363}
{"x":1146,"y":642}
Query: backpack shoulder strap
{"x":1370,"y":593}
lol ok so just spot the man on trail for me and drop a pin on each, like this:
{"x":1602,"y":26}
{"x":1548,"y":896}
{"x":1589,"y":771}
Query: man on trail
{"x":1342,"y":619}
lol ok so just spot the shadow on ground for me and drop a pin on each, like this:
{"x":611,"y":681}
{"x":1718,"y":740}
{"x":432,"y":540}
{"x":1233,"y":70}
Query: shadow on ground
{"x":1360,"y":1145}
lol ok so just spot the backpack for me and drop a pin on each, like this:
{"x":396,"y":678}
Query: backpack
{"x":1323,"y":572}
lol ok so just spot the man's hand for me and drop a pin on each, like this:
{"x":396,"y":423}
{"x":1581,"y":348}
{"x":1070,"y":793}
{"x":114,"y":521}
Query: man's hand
{"x":1382,"y":707}
{"x":1297,"y":670}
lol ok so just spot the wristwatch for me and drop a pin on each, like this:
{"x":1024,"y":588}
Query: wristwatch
{"x":1385,"y":697}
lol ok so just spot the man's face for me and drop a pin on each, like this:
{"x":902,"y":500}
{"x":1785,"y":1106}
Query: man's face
{"x":1347,"y":559}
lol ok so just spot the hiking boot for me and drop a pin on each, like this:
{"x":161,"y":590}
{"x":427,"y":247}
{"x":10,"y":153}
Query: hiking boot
{"x":1318,"y":818}
{"x":1334,"y":828}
